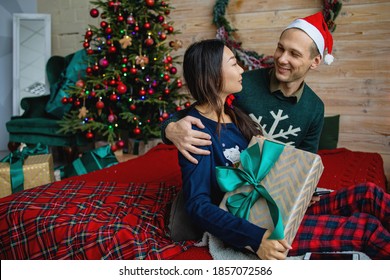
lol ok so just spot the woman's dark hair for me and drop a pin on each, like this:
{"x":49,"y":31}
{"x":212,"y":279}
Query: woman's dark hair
{"x":202,"y":70}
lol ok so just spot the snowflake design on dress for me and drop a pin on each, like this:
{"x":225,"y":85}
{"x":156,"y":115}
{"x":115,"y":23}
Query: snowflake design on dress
{"x":272,"y":132}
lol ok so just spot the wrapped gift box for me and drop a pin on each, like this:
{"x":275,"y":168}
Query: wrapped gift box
{"x":37,"y":170}
{"x":140,"y":147}
{"x":89,"y":161}
{"x":290,"y":182}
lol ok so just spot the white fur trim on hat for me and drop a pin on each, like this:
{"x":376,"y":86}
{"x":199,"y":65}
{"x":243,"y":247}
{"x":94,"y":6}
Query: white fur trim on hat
{"x":312,"y":31}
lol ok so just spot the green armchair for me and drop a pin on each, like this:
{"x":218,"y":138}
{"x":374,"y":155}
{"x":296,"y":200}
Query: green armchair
{"x":36,"y":125}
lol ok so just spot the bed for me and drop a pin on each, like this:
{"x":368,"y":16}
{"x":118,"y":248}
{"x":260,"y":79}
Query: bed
{"x":120,"y":212}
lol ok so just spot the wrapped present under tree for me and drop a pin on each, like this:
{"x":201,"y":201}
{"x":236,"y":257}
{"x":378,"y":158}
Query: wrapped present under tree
{"x":26,"y":168}
{"x":272,"y":187}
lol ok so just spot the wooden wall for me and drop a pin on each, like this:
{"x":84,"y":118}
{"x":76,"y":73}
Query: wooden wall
{"x":356,"y":85}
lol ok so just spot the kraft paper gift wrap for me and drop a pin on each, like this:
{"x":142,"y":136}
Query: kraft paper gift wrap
{"x":37,"y":170}
{"x":272,"y":186}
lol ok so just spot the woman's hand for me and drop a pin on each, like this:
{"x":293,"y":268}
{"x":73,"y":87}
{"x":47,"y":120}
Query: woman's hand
{"x":272,"y":249}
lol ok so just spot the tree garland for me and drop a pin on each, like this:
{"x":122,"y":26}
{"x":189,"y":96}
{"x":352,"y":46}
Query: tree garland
{"x":251,"y":59}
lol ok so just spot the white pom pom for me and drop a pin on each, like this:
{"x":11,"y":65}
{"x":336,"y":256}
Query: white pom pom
{"x":328,"y":59}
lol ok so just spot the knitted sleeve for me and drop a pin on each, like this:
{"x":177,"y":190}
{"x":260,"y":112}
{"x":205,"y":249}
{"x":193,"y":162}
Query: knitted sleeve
{"x":174,"y":118}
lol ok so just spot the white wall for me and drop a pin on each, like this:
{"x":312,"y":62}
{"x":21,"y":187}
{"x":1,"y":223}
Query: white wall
{"x":7,"y":9}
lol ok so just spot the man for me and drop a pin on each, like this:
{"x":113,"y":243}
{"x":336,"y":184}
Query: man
{"x":278,"y":98}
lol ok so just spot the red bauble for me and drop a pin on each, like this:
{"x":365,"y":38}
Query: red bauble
{"x":170,"y":29}
{"x":112,"y":49}
{"x":77,"y":102}
{"x":167,"y":91}
{"x":64,"y":100}
{"x":163,"y":36}
{"x":136,"y":28}
{"x":149,"y":3}
{"x":125,"y":60}
{"x":90,"y":51}
{"x":120,"y":144}
{"x":173,"y":70}
{"x":121,"y":88}
{"x":103,"y":24}
{"x":112,"y":82}
{"x":169,"y":59}
{"x":150,"y":91}
{"x":178,"y":108}
{"x":120,"y":18}
{"x":166,"y":77}
{"x":160,"y":19}
{"x":133,"y":107}
{"x":142,"y":92}
{"x":89,"y":135}
{"x":165,"y":115}
{"x":89,"y":33}
{"x":137,"y":131}
{"x":94,"y":13}
{"x":95,"y":67}
{"x":113,"y":97}
{"x":187,"y":104}
{"x":80,"y":84}
{"x":86,"y":44}
{"x":147,"y":25}
{"x":108,"y":30}
{"x":130,"y":19}
{"x":179,"y":84}
{"x":89,"y":70}
{"x":92,"y":93}
{"x":99,"y":104}
{"x":133,"y":70}
{"x":149,"y":42}
{"x":124,"y":70}
{"x":114,"y":147}
{"x":111,"y":118}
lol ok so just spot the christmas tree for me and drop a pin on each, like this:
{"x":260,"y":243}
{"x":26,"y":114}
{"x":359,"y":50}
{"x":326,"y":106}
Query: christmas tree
{"x":131,"y":83}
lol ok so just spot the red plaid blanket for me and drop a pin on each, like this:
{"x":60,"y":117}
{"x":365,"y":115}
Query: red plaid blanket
{"x":85,"y":220}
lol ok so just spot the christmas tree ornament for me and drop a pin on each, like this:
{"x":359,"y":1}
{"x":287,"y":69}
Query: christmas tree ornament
{"x":177,"y":44}
{"x":88,"y":33}
{"x":125,"y":42}
{"x":99,"y":106}
{"x":167,"y":91}
{"x":89,"y":70}
{"x":133,"y":70}
{"x":64,"y":100}
{"x":149,"y":3}
{"x":187,"y":104}
{"x":112,"y":49}
{"x":121,"y":88}
{"x":163,"y":36}
{"x":83,"y":112}
{"x":111,"y":118}
{"x":80,"y":83}
{"x":120,"y":18}
{"x":94,"y":13}
{"x":142,"y":91}
{"x":150,"y":91}
{"x":160,"y":18}
{"x":147,"y":25}
{"x":113,"y":97}
{"x":133,"y":107}
{"x":89,"y":135}
{"x":130,"y":19}
{"x":108,"y":30}
{"x":149,"y":42}
{"x":120,"y":144}
{"x":103,"y":24}
{"x":86,"y":44}
{"x":137,"y":131}
{"x":103,"y":62}
{"x":166,"y":77}
{"x":173,"y":70}
{"x":114,"y":147}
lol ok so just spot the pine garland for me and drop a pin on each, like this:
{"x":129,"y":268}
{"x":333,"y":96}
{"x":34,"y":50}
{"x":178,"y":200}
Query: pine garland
{"x":251,"y":59}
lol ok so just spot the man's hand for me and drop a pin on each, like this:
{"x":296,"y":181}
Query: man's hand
{"x":314,"y":199}
{"x":272,"y":249}
{"x":186,"y":139}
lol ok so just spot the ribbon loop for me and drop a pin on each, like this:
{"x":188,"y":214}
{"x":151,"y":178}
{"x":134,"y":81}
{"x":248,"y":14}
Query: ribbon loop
{"x":253,"y":170}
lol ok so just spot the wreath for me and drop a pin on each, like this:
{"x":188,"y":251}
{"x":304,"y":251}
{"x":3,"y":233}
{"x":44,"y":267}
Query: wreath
{"x":251,"y":59}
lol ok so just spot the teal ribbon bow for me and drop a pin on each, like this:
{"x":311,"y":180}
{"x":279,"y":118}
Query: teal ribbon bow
{"x":93,"y":160}
{"x":254,"y":169}
{"x":16,"y":161}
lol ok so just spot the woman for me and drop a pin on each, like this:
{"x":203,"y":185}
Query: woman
{"x":212,"y":74}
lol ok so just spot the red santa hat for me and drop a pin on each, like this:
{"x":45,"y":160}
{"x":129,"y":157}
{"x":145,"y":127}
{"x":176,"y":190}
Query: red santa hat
{"x":317,"y":29}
